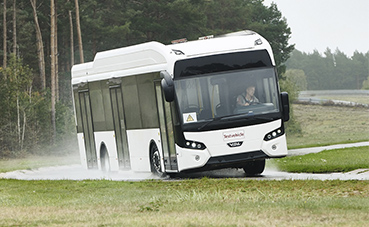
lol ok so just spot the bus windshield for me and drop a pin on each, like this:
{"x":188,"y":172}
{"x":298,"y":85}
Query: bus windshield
{"x":247,"y":93}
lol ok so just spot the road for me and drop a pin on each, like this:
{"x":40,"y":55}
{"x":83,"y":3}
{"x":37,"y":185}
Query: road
{"x":76,"y":172}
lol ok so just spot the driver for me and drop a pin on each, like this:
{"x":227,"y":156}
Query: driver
{"x":247,"y":98}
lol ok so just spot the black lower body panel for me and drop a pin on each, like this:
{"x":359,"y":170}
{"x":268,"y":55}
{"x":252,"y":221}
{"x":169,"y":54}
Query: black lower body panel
{"x":231,"y":161}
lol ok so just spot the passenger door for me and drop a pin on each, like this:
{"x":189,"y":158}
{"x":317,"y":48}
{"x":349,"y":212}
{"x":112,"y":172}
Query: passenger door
{"x":85,"y":115}
{"x":120,"y":126}
{"x":166,"y":131}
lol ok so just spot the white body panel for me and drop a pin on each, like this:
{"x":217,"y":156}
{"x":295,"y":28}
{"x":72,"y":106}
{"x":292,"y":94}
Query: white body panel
{"x":107,"y":139}
{"x":189,"y":158}
{"x":139,"y":147}
{"x":155,"y":57}
{"x":216,"y":143}
{"x":82,"y":149}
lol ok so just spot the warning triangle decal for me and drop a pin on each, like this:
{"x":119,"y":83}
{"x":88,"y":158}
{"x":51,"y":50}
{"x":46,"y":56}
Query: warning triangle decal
{"x":190,"y":118}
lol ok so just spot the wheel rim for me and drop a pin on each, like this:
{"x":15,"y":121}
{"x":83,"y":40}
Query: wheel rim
{"x":105,"y":165}
{"x":156,"y":161}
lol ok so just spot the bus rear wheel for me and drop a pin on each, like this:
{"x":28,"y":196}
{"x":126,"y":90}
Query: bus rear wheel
{"x":155,"y":161}
{"x":105,"y":164}
{"x":253,"y":168}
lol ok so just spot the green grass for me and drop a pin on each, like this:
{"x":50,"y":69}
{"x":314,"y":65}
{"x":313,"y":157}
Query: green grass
{"x":198,"y":202}
{"x":326,"y":125}
{"x":34,"y":162}
{"x":363,"y":99}
{"x":338,"y":160}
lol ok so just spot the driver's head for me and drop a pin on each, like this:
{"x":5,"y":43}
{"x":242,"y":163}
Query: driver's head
{"x":250,"y":90}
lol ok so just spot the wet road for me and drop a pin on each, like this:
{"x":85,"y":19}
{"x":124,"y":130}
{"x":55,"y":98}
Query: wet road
{"x":77,"y":172}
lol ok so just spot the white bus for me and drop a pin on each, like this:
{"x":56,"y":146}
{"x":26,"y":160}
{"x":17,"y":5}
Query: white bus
{"x":173,"y":108}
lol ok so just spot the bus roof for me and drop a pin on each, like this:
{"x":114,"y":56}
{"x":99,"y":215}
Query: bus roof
{"x":154,"y":56}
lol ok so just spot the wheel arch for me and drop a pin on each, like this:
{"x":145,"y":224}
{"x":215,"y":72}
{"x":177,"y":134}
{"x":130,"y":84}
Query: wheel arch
{"x":103,"y":148}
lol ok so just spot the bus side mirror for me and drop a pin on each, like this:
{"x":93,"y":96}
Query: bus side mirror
{"x":167,"y":85}
{"x":285,"y":106}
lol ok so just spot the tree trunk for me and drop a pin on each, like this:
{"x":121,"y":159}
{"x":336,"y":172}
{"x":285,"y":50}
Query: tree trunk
{"x":4,"y":38}
{"x":18,"y":120}
{"x":71,"y":38}
{"x":56,"y":54}
{"x":53,"y":77}
{"x":40,"y":46}
{"x":14,"y":28}
{"x":79,"y":33}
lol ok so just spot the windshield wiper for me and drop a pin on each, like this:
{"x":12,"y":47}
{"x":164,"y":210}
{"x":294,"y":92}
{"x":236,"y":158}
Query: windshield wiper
{"x":248,"y":117}
{"x":209,"y":122}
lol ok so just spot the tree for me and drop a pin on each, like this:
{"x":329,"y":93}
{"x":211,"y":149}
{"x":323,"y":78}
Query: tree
{"x":81,"y":57}
{"x":297,"y":77}
{"x":71,"y":38}
{"x":53,"y":72}
{"x":18,"y":88}
{"x":40,"y":46}
{"x":4,"y":36}
{"x":14,"y":28}
{"x":331,"y":70}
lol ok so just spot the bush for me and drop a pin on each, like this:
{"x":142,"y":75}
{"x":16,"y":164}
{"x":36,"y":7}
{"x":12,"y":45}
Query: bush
{"x":292,"y":126}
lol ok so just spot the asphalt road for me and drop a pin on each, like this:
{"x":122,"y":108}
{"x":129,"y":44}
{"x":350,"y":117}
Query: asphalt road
{"x":76,"y":172}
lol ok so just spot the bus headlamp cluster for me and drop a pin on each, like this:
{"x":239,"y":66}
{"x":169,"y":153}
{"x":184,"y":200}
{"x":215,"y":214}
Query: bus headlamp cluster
{"x":194,"y":145}
{"x":274,"y":134}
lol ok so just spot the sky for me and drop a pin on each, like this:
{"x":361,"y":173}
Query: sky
{"x":318,"y":24}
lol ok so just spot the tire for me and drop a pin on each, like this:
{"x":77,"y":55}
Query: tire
{"x":104,"y":159}
{"x":155,"y":161}
{"x":254,"y":168}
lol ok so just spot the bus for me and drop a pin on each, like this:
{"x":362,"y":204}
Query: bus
{"x":181,"y":107}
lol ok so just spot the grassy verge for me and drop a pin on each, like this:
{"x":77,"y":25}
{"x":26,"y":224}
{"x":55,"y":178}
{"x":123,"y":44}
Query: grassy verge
{"x":364,"y":99}
{"x":201,"y":202}
{"x":34,"y":162}
{"x":326,"y":125}
{"x":338,"y":160}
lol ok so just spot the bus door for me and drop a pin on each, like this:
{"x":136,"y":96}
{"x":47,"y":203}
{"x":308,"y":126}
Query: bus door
{"x":119,"y":126}
{"x":87,"y":127}
{"x":166,"y":130}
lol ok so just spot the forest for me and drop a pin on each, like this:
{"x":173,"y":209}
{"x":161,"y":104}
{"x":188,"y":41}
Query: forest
{"x":329,"y":71}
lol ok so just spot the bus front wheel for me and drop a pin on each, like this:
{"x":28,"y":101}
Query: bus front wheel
{"x":253,"y":168}
{"x":155,"y":161}
{"x":104,"y":157}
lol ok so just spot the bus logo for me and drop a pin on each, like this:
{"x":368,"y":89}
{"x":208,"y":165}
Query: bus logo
{"x":235,"y":144}
{"x":233,"y":135}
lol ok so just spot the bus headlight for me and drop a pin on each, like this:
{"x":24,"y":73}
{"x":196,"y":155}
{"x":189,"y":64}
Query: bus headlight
{"x":274,"y":134}
{"x":194,"y":145}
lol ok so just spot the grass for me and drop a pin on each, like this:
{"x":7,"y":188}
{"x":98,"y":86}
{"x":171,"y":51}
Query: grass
{"x":326,"y":125}
{"x":363,"y":99}
{"x":34,"y":162}
{"x":338,"y":160}
{"x":197,"y":202}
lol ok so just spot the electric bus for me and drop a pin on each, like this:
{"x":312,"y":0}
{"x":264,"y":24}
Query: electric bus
{"x":175,"y":108}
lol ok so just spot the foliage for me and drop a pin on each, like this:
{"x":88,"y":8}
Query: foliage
{"x":338,"y":160}
{"x":297,"y":78}
{"x":366,"y":84}
{"x":25,"y":121}
{"x":288,"y":85}
{"x":331,"y":70}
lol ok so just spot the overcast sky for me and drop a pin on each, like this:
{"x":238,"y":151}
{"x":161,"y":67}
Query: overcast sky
{"x":318,"y":24}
